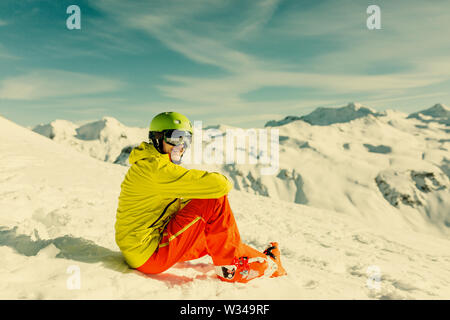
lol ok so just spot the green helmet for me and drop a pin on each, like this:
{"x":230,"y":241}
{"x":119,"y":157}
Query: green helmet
{"x":167,"y":121}
{"x":170,"y":120}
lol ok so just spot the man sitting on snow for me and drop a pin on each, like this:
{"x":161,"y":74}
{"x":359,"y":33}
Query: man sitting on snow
{"x":168,"y":214}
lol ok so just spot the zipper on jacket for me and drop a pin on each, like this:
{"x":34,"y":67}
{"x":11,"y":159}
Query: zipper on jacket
{"x":162,"y":214}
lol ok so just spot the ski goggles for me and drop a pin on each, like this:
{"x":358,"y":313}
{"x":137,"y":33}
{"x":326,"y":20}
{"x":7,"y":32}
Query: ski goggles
{"x":176,"y":137}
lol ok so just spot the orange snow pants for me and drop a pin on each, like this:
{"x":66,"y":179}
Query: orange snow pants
{"x":203,"y":226}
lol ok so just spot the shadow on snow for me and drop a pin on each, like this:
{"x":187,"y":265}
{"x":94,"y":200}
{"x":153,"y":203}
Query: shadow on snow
{"x":87,"y":251}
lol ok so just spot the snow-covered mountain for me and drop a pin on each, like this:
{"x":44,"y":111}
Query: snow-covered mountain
{"x":104,"y":139}
{"x":57,"y":215}
{"x":58,"y":130}
{"x":327,"y":116}
{"x":349,"y":159}
{"x":439,"y":113}
{"x":356,"y":160}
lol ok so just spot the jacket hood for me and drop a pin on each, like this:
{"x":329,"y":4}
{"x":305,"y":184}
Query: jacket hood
{"x":146,"y":151}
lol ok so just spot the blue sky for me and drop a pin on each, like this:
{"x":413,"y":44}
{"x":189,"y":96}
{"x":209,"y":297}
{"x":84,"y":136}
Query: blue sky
{"x":234,"y":62}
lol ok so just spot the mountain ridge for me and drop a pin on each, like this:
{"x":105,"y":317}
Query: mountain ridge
{"x":351,"y":111}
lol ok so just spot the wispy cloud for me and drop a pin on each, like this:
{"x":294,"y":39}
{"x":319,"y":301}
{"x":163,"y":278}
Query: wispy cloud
{"x":262,"y":117}
{"x":54,"y":83}
{"x":262,"y":13}
{"x":178,"y":28}
{"x":378,"y":100}
{"x":227,"y":92}
{"x":186,"y":29}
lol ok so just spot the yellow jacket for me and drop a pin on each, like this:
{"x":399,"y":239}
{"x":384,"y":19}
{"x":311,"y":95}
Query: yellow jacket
{"x":153,"y":190}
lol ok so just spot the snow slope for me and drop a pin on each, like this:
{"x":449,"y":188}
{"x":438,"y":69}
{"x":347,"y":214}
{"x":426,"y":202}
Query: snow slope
{"x":57,"y":214}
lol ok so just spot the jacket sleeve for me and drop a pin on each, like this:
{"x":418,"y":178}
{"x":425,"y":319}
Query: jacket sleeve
{"x":172,"y":180}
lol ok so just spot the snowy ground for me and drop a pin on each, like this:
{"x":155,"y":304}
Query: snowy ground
{"x":57,"y":214}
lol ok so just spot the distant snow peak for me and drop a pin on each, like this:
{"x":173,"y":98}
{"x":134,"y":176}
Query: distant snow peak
{"x":285,"y":120}
{"x":324,"y":116}
{"x":440,"y":108}
{"x":111,"y":120}
{"x":354,"y":105}
{"x":439,"y":113}
{"x":61,"y":129}
{"x":94,"y":130}
{"x":358,"y":107}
